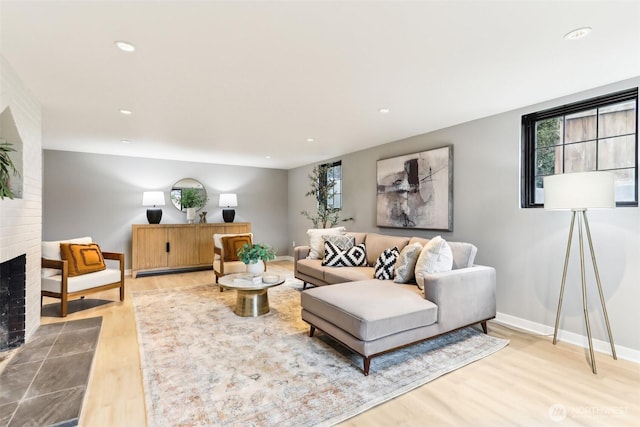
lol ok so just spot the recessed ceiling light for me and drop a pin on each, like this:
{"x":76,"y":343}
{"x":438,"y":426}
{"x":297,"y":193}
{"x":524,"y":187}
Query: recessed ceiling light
{"x":125,"y":141}
{"x":311,"y":140}
{"x":125,"y":46}
{"x":267,"y":157}
{"x":383,"y":110}
{"x":578,"y":33}
{"x":125,"y":112}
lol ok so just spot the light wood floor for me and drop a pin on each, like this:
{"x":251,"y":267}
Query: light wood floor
{"x":520,"y":385}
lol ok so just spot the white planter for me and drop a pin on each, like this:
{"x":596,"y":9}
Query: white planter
{"x":191,"y":215}
{"x":255,"y":267}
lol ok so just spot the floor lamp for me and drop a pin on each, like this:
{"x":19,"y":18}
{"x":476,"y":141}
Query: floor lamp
{"x":578,"y":192}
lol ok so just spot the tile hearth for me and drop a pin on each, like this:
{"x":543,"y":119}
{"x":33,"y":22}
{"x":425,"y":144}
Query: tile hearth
{"x":45,"y":381}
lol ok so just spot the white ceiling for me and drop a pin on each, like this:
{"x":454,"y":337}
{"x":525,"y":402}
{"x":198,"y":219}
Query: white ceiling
{"x":234,"y":82}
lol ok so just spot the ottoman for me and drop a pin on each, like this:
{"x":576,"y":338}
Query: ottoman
{"x":371,"y":317}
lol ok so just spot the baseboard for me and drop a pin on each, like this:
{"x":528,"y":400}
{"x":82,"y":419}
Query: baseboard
{"x":568,"y":337}
{"x":284,"y":258}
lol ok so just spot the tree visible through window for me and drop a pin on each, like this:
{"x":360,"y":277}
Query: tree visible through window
{"x":596,"y":134}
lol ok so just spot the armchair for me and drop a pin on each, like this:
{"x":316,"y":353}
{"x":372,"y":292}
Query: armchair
{"x":68,"y":278}
{"x":225,"y":253}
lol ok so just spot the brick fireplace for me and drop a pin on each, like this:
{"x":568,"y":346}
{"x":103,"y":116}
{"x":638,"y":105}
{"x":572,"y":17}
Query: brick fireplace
{"x":12,"y":302}
{"x":20,"y":218}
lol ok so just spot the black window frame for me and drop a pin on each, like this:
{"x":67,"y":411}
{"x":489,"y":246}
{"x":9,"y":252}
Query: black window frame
{"x":323,"y":182}
{"x":528,"y":170}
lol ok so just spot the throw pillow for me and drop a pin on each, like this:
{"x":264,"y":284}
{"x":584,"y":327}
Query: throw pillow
{"x":352,"y":257}
{"x":385,"y":264}
{"x":406,"y":263}
{"x":342,"y":241}
{"x":82,"y":258}
{"x":436,"y":257}
{"x":316,"y":242}
{"x":231,"y":245}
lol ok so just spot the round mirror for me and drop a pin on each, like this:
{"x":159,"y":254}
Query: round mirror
{"x":188,"y":193}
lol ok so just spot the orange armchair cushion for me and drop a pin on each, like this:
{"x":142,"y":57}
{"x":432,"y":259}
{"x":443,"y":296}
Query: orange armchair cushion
{"x":82,"y":258}
{"x":231,"y":245}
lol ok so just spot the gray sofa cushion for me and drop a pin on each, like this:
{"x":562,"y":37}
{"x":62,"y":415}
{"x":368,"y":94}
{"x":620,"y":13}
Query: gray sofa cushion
{"x":334,"y":275}
{"x":371,"y":309}
{"x":376,"y":243}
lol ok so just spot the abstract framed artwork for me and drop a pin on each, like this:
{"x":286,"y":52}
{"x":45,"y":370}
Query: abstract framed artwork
{"x":416,"y":190}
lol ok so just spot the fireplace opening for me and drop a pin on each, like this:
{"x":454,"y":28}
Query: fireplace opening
{"x":12,"y":302}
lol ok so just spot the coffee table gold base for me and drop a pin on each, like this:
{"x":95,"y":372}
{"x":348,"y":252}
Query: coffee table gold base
{"x":252,"y":302}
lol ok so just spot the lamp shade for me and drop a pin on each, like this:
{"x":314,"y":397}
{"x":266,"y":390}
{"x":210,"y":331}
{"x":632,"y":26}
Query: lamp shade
{"x":228,"y":200}
{"x":579,"y":190}
{"x":153,"y":198}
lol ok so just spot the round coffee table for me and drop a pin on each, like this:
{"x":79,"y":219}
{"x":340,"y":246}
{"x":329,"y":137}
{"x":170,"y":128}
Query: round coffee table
{"x":252,"y":298}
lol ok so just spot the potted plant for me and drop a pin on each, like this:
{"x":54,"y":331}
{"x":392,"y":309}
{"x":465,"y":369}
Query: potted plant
{"x":255,"y":255}
{"x":7,"y":169}
{"x":191,"y":199}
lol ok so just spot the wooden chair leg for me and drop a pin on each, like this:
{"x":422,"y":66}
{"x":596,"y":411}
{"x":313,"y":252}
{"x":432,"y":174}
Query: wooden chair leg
{"x":484,"y":327}
{"x":63,"y":306}
{"x":312,"y":330}
{"x":304,"y":285}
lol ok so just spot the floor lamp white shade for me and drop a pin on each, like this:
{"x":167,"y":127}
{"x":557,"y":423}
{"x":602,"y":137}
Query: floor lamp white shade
{"x":578,"y":192}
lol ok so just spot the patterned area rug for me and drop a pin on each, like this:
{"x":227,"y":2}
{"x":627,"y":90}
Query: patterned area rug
{"x":203,"y":365}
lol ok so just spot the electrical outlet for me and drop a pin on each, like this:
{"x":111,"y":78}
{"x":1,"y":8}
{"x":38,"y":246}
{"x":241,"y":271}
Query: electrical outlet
{"x":293,"y":243}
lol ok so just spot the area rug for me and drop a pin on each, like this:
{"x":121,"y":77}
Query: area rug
{"x":203,"y":365}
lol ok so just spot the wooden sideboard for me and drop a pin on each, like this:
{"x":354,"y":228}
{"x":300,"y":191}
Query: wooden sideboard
{"x":173,"y":247}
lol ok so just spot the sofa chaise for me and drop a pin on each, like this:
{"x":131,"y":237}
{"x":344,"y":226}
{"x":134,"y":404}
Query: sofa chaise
{"x":373,"y":317}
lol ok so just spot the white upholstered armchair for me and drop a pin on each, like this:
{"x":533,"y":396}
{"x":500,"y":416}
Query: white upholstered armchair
{"x":225,"y":253}
{"x":77,"y":267}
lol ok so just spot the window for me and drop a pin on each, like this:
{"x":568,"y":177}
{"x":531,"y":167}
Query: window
{"x":596,"y":134}
{"x":331,"y":178}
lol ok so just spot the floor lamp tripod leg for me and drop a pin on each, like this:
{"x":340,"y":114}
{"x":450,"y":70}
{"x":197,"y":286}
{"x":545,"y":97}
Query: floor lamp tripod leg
{"x":602,"y":301}
{"x":564,"y":277}
{"x":585,"y":306}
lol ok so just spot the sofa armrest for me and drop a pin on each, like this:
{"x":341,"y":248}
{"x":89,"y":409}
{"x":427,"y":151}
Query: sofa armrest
{"x":464,"y":296}
{"x":301,"y":252}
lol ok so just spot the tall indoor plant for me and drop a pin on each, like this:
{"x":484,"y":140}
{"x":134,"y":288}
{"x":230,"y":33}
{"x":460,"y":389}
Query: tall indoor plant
{"x":7,"y":169}
{"x":323,"y":190}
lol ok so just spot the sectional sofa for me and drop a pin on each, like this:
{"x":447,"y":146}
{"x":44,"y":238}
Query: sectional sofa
{"x":373,"y":317}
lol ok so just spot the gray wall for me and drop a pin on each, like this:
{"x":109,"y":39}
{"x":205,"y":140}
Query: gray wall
{"x":526,"y":246}
{"x":101,"y":196}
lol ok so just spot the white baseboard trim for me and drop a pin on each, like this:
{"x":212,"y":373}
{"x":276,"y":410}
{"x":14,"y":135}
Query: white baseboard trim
{"x":568,"y":337}
{"x":284,"y":258}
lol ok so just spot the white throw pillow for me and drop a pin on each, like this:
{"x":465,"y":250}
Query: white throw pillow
{"x":436,"y":257}
{"x":316,"y":242}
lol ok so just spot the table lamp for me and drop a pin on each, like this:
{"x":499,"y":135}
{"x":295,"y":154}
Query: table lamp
{"x":153,"y":198}
{"x":578,"y":192}
{"x":228,"y":201}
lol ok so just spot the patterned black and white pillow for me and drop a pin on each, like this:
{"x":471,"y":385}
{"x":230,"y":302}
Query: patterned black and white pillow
{"x":355,"y":256}
{"x":342,"y":241}
{"x":386,"y":263}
